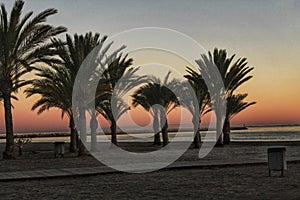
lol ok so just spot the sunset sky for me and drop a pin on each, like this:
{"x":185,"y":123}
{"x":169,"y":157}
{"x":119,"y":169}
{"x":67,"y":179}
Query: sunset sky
{"x":266,"y":32}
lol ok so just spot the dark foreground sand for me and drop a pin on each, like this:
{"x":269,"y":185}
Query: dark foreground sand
{"x":218,"y":183}
{"x":238,"y":182}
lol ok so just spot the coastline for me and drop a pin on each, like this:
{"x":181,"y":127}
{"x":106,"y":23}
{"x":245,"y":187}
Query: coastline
{"x":106,"y":131}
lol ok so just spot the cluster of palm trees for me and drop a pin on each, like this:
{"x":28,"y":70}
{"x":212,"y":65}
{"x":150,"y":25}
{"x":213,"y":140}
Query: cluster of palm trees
{"x":29,"y":44}
{"x":158,"y":98}
{"x":233,"y":75}
{"x":160,"y":93}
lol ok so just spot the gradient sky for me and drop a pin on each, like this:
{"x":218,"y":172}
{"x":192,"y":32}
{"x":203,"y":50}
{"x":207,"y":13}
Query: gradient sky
{"x":267,"y":33}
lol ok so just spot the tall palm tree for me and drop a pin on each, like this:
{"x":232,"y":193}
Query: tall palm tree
{"x":22,"y":46}
{"x":216,"y":89}
{"x":72,"y":53}
{"x":232,"y":75}
{"x":235,"y":104}
{"x":203,"y":101}
{"x":157,"y":98}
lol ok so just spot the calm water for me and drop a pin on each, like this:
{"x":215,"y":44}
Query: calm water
{"x":270,"y":133}
{"x":267,"y":133}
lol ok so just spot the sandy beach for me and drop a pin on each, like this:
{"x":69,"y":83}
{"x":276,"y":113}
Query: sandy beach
{"x":211,"y":182}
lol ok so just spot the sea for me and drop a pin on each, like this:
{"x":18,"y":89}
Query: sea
{"x":267,"y":133}
{"x":270,"y":133}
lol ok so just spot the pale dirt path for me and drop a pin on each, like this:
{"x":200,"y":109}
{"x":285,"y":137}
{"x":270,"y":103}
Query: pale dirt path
{"x":41,"y":156}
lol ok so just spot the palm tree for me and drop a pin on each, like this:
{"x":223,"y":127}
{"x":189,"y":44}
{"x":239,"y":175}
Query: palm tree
{"x":102,"y":94}
{"x":157,"y":98}
{"x":22,"y":46}
{"x":216,"y":89}
{"x":118,"y":72}
{"x":72,"y":53}
{"x":232,"y":75}
{"x":55,"y":89}
{"x":203,"y":101}
{"x":105,"y":109}
{"x":235,"y":104}
{"x":146,"y":97}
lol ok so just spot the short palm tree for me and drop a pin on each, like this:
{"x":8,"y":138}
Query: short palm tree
{"x":145,"y":96}
{"x":203,"y":101}
{"x":55,"y":88}
{"x":120,"y":78}
{"x":22,"y":46}
{"x":72,"y":53}
{"x":104,"y":108}
{"x":157,"y":98}
{"x":235,"y":104}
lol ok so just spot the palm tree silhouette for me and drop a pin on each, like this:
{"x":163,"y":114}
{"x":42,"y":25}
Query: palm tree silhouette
{"x":57,"y":80}
{"x":157,"y":98}
{"x":203,"y":101}
{"x":232,"y":75}
{"x":55,"y":88}
{"x":110,"y":102}
{"x":23,"y":46}
{"x":235,"y":104}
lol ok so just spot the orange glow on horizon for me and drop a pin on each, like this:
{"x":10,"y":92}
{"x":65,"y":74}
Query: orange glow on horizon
{"x":268,"y":110}
{"x":277,"y":103}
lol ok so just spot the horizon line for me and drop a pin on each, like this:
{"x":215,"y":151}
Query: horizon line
{"x":135,"y":128}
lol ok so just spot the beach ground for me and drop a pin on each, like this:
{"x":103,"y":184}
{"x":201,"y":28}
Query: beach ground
{"x":231,"y":182}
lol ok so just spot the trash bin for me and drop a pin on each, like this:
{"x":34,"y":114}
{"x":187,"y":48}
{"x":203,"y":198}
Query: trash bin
{"x":277,"y":159}
{"x":59,"y":149}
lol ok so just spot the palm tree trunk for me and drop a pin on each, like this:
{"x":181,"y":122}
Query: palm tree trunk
{"x":82,"y":129}
{"x":220,"y":141}
{"x":9,"y":148}
{"x":165,"y":134}
{"x":157,"y":140}
{"x":226,"y":131}
{"x":197,"y":137}
{"x":82,"y":149}
{"x":73,"y":137}
{"x":82,"y":123}
{"x":156,"y":129}
{"x":164,"y":129}
{"x":113,"y":129}
{"x":94,"y":126}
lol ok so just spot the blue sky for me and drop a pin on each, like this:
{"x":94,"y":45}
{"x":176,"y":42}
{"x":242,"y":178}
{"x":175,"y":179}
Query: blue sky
{"x":230,"y":23}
